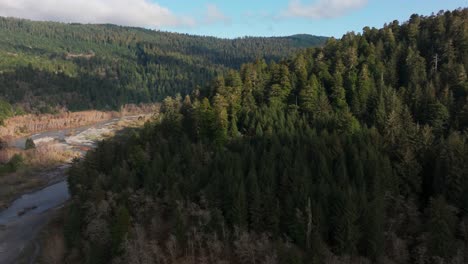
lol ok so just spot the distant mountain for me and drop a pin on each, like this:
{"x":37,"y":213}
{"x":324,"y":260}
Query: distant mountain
{"x":305,"y":40}
{"x":46,"y":65}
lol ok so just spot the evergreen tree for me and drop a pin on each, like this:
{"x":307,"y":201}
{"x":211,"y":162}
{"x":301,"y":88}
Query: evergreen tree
{"x":441,"y":227}
{"x":119,"y":229}
{"x":29,"y":144}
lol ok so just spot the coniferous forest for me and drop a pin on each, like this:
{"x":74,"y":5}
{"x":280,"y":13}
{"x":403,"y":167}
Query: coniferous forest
{"x":45,"y":66}
{"x":354,"y":152}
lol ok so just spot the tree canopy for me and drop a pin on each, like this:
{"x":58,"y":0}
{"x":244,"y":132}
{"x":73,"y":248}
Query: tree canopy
{"x":47,"y":65}
{"x":355,"y":152}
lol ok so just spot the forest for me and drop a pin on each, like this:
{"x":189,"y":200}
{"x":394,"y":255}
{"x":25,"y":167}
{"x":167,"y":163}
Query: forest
{"x":46,"y":67}
{"x":353,"y":152}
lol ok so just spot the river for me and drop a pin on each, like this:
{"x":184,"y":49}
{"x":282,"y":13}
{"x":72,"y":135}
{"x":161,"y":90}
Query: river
{"x":25,"y":217}
{"x":61,"y":135}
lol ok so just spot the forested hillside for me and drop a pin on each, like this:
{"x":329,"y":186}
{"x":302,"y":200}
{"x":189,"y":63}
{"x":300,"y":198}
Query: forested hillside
{"x":47,"y":65}
{"x":355,"y":152}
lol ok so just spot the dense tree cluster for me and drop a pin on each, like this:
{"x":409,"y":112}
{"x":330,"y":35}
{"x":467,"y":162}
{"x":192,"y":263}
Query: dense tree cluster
{"x":6,"y":111}
{"x":46,"y":65}
{"x":355,"y":152}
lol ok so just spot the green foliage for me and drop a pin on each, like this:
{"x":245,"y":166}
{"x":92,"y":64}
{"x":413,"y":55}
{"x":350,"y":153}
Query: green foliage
{"x":105,"y":66}
{"x":6,"y":111}
{"x":442,"y":228}
{"x":29,"y":144}
{"x":119,"y":229}
{"x":16,"y":162}
{"x":337,"y":153}
{"x":72,"y":226}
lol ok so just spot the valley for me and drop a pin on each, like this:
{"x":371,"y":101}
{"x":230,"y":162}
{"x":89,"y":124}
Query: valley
{"x":57,"y":139}
{"x":133,"y":145}
{"x":45,"y":190}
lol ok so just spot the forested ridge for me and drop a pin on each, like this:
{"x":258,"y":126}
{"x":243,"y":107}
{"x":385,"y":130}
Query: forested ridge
{"x":46,"y":66}
{"x":355,"y":152}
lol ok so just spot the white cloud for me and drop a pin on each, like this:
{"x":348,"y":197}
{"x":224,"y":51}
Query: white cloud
{"x":141,"y":13}
{"x":322,"y":8}
{"x":215,"y":15}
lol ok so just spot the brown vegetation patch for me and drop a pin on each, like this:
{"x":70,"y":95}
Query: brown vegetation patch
{"x":30,"y":124}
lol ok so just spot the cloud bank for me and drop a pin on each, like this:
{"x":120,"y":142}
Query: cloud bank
{"x":141,"y":13}
{"x":323,"y":8}
{"x":215,"y":15}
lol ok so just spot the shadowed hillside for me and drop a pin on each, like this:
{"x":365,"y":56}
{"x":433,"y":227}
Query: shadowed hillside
{"x":45,"y":65}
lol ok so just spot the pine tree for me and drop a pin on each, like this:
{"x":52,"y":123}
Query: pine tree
{"x":240,"y":210}
{"x":441,"y":227}
{"x":254,"y":202}
{"x":220,"y":106}
{"x":345,"y":228}
{"x":119,"y":229}
{"x":300,"y":70}
{"x":364,"y":89}
{"x":309,"y":96}
{"x":338,"y":94}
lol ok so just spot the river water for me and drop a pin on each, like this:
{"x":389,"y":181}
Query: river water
{"x":61,"y":135}
{"x":25,"y":217}
{"x":36,"y":203}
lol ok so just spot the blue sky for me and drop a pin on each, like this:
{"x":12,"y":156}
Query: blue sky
{"x":260,"y":17}
{"x":229,"y":19}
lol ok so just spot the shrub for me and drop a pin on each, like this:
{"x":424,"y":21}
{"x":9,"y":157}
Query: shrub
{"x":15,"y":163}
{"x":29,"y":144}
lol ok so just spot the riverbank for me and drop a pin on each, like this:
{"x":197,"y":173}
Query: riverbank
{"x":26,"y":125}
{"x":38,"y":194}
{"x":53,"y":150}
{"x":15,"y":185}
{"x":49,"y":246}
{"x":21,"y":223}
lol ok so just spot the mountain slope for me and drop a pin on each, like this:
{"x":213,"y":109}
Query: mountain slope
{"x":355,"y":152}
{"x":45,"y":65}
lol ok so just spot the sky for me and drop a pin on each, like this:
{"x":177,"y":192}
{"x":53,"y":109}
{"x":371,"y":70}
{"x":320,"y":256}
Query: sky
{"x":230,"y":19}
